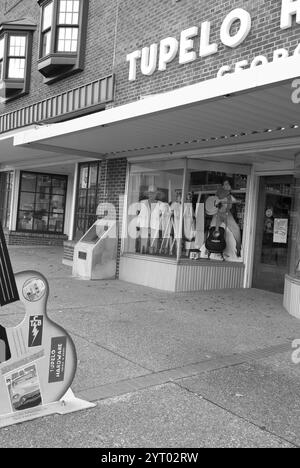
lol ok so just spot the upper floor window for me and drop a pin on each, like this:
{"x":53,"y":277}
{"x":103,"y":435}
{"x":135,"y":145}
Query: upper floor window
{"x":15,"y":58}
{"x":1,"y":56}
{"x":63,"y":31}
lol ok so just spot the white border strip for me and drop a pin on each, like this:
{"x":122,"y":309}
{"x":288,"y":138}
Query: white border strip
{"x":280,"y":71}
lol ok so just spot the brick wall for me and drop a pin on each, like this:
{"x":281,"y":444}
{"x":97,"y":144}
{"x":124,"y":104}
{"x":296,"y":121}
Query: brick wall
{"x":27,"y":238}
{"x":151,"y":21}
{"x":99,"y":49}
{"x":139,"y":23}
{"x":68,"y":251}
{"x":112,"y":191}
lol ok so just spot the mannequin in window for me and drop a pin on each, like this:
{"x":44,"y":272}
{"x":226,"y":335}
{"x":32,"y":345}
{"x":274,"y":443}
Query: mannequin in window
{"x":149,"y":221}
{"x":224,"y":202}
{"x":189,"y":222}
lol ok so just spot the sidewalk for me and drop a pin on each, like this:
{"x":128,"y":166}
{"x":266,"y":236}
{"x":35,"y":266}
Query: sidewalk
{"x":209,"y":369}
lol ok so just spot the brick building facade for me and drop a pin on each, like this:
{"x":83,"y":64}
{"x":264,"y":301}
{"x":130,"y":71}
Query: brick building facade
{"x":171,"y":95}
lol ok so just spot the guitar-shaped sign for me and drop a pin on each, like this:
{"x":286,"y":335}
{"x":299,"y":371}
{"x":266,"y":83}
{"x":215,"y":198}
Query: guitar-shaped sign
{"x":37,"y":358}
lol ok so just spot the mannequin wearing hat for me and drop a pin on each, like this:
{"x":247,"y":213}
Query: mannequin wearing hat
{"x":149,"y":221}
{"x":224,"y":202}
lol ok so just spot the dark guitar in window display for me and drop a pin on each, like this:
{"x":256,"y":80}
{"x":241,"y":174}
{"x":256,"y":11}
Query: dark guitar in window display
{"x":37,"y":358}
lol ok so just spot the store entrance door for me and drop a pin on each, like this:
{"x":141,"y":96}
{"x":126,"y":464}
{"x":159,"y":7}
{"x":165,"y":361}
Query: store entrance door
{"x":272,"y":242}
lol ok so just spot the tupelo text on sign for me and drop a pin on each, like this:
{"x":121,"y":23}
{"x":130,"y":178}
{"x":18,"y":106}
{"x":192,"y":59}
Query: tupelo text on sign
{"x":158,"y":56}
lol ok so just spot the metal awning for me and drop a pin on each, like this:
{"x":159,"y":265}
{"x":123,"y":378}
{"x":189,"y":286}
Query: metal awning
{"x":245,"y":116}
{"x":26,"y":157}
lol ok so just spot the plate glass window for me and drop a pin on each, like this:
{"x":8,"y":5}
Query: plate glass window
{"x":164,"y":221}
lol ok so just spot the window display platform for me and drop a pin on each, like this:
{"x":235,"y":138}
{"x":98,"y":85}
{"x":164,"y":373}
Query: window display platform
{"x":186,"y":275}
{"x":291,"y":301}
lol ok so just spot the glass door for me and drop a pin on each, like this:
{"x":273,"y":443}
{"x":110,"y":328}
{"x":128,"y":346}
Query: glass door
{"x":273,"y":232}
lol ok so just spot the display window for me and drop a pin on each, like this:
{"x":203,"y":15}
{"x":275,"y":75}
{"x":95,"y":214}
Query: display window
{"x":42,"y":200}
{"x":192,"y":212}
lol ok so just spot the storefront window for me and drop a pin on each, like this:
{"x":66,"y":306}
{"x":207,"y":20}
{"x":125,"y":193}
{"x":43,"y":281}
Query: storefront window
{"x":209,"y":224}
{"x":6,"y":185}
{"x":87,"y":197}
{"x":215,"y":215}
{"x":152,"y":203}
{"x":42,"y":202}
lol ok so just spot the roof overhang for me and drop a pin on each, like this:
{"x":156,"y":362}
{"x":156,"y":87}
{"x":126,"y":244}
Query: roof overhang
{"x":19,"y":157}
{"x":250,"y":112}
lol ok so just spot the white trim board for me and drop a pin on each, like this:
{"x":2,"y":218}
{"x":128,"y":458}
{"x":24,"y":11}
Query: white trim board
{"x":259,"y":77}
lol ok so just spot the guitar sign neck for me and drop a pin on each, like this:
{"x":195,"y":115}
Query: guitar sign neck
{"x":8,"y":287}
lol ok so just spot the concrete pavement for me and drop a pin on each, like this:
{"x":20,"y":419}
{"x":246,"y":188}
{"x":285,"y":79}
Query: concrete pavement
{"x":206,"y":369}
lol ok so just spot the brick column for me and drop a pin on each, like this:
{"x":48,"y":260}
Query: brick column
{"x":112,"y":187}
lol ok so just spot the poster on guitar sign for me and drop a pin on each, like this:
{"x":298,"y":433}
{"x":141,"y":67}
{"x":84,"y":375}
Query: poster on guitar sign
{"x":37,"y":357}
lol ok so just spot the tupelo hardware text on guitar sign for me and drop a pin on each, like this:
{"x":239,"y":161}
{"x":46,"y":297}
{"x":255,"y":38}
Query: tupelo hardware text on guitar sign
{"x":57,"y":359}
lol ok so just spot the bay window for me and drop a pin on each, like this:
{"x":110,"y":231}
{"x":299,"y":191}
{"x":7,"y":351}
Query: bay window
{"x":15,"y":58}
{"x":63,"y":30}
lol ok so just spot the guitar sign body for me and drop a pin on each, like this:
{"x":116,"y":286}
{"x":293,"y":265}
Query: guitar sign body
{"x":37,"y":358}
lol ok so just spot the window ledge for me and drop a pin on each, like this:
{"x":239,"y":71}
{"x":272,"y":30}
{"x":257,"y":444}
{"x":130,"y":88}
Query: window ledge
{"x":11,"y":89}
{"x":203,"y":262}
{"x":54,"y":67}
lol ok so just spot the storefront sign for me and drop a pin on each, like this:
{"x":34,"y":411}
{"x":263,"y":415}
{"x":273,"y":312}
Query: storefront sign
{"x":158,"y":56}
{"x":280,"y":231}
{"x":57,"y":359}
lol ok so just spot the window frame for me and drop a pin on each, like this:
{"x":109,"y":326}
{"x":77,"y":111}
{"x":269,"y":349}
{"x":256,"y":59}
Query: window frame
{"x":8,"y":57}
{"x":16,"y":87}
{"x":57,"y":65}
{"x":45,"y":31}
{"x":2,"y":60}
{"x":84,"y":217}
{"x":19,"y":210}
{"x":152,"y":170}
{"x":6,"y":188}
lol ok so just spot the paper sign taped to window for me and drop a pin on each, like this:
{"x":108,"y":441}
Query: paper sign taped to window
{"x":280,"y":231}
